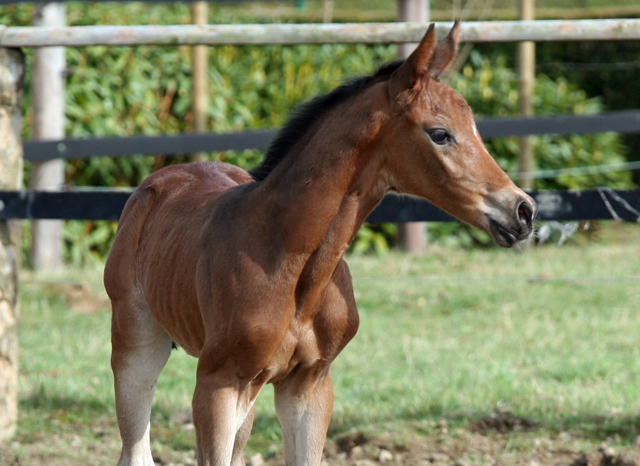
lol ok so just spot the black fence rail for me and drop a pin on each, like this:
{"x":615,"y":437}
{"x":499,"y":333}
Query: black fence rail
{"x":599,"y":204}
{"x":621,"y":122}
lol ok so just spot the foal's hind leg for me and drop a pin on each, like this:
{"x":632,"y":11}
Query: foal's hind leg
{"x":140,"y":351}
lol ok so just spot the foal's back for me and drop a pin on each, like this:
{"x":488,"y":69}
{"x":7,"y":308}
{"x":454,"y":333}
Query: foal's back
{"x":158,"y":244}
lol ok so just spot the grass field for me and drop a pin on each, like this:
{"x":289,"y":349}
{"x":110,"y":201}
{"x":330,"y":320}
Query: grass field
{"x":548,"y":334}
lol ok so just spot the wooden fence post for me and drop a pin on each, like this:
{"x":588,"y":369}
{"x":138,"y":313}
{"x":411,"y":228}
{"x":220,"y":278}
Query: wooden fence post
{"x":417,"y":11}
{"x":11,"y":92}
{"x":199,"y":65}
{"x":47,"y":100}
{"x":412,"y":235}
{"x":526,"y":71}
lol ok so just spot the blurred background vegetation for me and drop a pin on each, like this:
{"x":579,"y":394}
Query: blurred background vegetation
{"x":147,"y":90}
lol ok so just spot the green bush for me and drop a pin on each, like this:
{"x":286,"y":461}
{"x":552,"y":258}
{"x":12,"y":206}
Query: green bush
{"x":147,"y":90}
{"x":121,"y":91}
{"x":491,"y":88}
{"x":118,"y":91}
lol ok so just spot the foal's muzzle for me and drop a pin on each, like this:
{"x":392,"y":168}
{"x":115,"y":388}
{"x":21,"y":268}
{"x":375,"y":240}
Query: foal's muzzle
{"x":515,"y":226}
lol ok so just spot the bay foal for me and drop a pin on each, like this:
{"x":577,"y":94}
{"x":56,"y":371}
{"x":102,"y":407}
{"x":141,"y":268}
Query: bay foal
{"x":246,"y":271}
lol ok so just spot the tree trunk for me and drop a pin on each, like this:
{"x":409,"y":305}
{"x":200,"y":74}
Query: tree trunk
{"x":11,"y":92}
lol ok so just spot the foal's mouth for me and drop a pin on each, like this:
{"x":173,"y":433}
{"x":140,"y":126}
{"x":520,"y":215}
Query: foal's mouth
{"x":512,"y":229}
{"x":506,"y":236}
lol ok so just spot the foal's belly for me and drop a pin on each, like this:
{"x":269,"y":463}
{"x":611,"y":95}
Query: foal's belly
{"x":298,"y":348}
{"x":179,"y":317}
{"x":169,"y":286}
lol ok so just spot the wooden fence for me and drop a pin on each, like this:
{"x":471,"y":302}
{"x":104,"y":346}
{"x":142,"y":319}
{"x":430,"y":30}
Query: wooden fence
{"x":503,"y":31}
{"x":290,"y":34}
{"x":599,"y":204}
{"x":107,"y":205}
{"x":37,"y":150}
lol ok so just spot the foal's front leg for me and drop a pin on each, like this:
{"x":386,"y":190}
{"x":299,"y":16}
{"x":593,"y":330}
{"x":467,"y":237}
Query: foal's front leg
{"x":223,"y":416}
{"x":304,"y":402}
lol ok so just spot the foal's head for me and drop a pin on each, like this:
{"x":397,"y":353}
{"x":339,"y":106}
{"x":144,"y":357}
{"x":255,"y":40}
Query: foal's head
{"x":434,"y":150}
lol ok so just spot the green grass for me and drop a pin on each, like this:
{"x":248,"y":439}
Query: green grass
{"x":447,"y":336}
{"x":461,"y":333}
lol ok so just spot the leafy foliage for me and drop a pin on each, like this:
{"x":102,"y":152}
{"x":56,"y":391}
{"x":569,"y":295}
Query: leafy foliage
{"x":115,"y":91}
{"x":491,"y":90}
{"x":87,"y":243}
{"x":118,"y":91}
{"x":372,"y":238}
{"x":490,"y":87}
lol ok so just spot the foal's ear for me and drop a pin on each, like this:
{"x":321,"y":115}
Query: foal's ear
{"x":445,"y":53}
{"x":410,"y":76}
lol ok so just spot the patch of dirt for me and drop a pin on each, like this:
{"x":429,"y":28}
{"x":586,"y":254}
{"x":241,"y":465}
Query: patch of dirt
{"x":502,"y":422}
{"x":606,"y":456}
{"x":467,"y":448}
{"x":348,"y":442}
{"x":83,"y":298}
{"x":63,"y":450}
{"x":485,"y":446}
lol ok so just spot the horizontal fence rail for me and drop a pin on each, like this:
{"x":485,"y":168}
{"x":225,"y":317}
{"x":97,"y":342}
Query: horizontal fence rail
{"x":621,"y":122}
{"x":36,"y":150}
{"x":601,"y":204}
{"x":291,"y":34}
{"x":11,"y":2}
{"x":107,"y":205}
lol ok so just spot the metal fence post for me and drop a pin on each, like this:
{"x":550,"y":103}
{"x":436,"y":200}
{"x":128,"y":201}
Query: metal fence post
{"x":11,"y":93}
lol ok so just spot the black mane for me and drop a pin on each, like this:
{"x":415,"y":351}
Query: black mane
{"x":308,"y":113}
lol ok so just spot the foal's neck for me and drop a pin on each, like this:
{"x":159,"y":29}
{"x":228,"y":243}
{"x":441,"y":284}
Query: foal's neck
{"x":323,"y":190}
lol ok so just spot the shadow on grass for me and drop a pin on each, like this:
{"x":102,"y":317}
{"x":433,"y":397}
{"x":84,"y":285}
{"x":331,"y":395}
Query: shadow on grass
{"x":43,"y":401}
{"x":626,"y":427}
{"x":42,"y":414}
{"x":623,"y":427}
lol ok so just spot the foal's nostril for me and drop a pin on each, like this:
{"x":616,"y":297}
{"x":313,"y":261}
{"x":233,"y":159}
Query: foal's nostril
{"x":525,"y":213}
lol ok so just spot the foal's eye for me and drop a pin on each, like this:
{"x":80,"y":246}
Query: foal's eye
{"x":440,"y":136}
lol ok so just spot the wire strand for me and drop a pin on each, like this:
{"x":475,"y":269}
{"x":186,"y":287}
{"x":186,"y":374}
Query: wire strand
{"x":577,"y":171}
{"x":531,"y":279}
